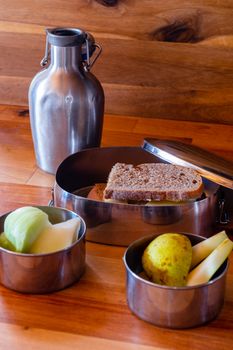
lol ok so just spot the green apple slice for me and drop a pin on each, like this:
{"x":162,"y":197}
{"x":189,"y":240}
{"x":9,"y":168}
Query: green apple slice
{"x":23,"y":226}
{"x":5,"y":243}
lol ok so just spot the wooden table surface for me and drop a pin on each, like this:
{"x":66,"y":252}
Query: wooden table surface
{"x":93,"y":313}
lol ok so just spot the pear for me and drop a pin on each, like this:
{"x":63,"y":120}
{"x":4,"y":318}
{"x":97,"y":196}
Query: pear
{"x":167,"y":259}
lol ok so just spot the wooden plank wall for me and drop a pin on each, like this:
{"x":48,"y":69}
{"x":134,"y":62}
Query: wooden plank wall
{"x":165,"y":59}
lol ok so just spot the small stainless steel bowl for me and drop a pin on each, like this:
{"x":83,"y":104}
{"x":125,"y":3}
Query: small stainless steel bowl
{"x":171,"y":307}
{"x":44,"y":273}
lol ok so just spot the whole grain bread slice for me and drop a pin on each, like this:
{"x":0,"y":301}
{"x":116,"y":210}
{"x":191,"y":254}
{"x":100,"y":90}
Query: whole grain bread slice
{"x":153,"y":182}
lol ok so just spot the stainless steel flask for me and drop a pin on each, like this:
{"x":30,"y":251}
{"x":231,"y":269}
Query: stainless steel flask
{"x":66,"y":101}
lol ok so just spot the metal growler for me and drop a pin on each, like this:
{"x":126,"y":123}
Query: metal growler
{"x":66,"y":101}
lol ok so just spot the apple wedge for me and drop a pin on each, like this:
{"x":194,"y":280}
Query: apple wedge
{"x":56,"y":237}
{"x":5,"y":243}
{"x":23,"y":226}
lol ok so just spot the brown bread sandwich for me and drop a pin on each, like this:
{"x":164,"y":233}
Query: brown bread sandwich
{"x":150,"y":182}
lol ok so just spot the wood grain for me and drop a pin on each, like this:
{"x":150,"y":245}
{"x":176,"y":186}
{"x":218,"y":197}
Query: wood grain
{"x":94,"y":312}
{"x":54,"y":340}
{"x":168,"y":60}
{"x":17,"y":155}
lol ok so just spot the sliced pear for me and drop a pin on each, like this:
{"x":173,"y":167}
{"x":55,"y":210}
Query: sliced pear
{"x":204,"y":248}
{"x":203,"y":272}
{"x":56,"y":237}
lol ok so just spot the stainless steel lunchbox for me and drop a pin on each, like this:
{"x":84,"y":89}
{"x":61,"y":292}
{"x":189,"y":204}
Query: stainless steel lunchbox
{"x":171,"y":307}
{"x":120,"y":224}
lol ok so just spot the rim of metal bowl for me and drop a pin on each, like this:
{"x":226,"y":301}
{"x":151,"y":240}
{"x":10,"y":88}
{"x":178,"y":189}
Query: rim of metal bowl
{"x":57,"y":251}
{"x":87,"y":150}
{"x":152,"y":284}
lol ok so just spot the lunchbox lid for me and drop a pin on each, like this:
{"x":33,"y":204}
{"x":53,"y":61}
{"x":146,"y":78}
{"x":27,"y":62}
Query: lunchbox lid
{"x":208,"y":165}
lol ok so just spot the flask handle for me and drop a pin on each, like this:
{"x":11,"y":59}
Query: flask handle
{"x":87,"y":64}
{"x":45,"y":59}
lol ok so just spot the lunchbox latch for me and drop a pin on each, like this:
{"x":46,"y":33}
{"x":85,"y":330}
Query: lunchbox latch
{"x":51,"y":201}
{"x":223,"y":217}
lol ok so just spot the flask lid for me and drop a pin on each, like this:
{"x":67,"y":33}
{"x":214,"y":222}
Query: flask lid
{"x":208,"y":164}
{"x":68,"y":37}
{"x":65,"y":37}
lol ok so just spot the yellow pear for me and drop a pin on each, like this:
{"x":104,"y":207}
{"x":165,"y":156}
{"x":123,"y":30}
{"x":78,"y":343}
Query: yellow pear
{"x":167,"y":259}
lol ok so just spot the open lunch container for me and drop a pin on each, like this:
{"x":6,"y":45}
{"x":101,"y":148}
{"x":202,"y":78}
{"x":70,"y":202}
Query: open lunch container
{"x":171,"y":307}
{"x":45,"y":272}
{"x":121,"y":224}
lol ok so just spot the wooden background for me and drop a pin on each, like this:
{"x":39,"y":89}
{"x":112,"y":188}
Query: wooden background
{"x":168,"y":59}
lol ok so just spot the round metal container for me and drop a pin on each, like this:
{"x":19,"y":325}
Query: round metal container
{"x":44,"y":273}
{"x":171,"y":307}
{"x":120,"y":224}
